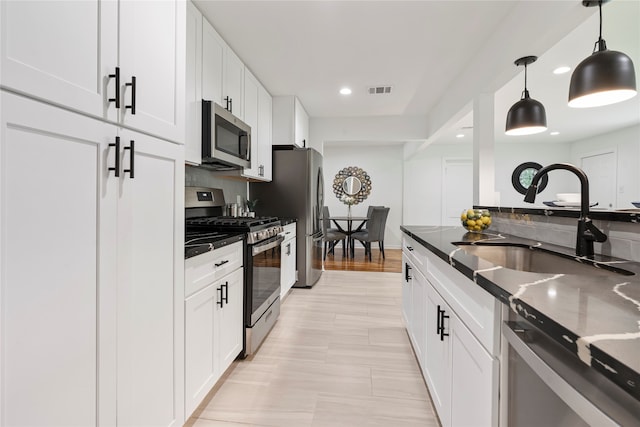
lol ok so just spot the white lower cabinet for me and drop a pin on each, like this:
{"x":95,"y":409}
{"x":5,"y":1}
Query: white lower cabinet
{"x":213,"y":323}
{"x":91,"y":265}
{"x":460,"y":372}
{"x":288,"y":260}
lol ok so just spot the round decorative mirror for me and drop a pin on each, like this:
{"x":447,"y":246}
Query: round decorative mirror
{"x":352,"y":185}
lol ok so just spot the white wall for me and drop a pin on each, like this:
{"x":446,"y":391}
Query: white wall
{"x":384,"y":164}
{"x":423,"y":182}
{"x":509,"y":156}
{"x":626,"y":143}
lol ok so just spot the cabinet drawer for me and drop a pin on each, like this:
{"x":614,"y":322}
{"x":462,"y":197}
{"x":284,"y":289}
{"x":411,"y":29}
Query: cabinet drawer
{"x":289,"y":231}
{"x":415,"y":251}
{"x":204,"y":269}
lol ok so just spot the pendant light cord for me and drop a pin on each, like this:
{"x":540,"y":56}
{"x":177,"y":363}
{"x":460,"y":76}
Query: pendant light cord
{"x":600,"y":45}
{"x":525,"y":92}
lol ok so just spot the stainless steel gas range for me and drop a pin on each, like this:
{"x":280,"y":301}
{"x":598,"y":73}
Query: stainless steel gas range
{"x":262,"y":252}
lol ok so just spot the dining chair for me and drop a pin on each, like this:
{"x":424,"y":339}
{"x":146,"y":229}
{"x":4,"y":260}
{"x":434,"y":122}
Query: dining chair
{"x":331,"y":235}
{"x":374,"y":231}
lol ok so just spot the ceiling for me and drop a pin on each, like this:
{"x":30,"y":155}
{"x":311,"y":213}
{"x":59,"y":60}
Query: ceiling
{"x":436,"y":55}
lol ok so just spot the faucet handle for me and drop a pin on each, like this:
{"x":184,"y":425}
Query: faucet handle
{"x":594,"y":233}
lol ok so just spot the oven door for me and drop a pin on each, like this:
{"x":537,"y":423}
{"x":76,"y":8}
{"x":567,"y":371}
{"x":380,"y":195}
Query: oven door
{"x":264,"y":277}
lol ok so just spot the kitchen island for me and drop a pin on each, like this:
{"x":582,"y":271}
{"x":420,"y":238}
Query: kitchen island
{"x":595,"y":316}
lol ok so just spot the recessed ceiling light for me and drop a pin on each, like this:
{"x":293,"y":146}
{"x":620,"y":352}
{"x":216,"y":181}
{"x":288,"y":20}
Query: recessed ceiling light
{"x":561,"y":70}
{"x":554,"y":133}
{"x":460,"y":135}
{"x":345,"y":91}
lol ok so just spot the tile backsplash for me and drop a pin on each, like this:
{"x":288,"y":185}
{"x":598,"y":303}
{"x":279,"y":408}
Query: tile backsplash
{"x":623,"y":237}
{"x":232,"y":188}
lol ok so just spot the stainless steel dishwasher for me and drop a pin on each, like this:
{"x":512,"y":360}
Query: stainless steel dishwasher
{"x":543,"y":384}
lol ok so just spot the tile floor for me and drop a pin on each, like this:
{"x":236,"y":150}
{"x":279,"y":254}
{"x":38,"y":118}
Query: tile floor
{"x":338,"y":356}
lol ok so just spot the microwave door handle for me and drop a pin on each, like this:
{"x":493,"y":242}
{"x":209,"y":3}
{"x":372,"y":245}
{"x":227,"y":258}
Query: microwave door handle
{"x":248,"y":154}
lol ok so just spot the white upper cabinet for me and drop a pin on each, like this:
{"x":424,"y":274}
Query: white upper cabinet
{"x":193,"y":86}
{"x":251,"y":85}
{"x":213,"y":52}
{"x":265,"y":128}
{"x":290,"y":122}
{"x":62,"y":52}
{"x":222,"y":72}
{"x":257,"y":114}
{"x":86,"y":56}
{"x":152,"y":66}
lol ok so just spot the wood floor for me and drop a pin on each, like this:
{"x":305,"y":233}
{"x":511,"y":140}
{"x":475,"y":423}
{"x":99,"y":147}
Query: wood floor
{"x":337,"y":356}
{"x":391,"y":263}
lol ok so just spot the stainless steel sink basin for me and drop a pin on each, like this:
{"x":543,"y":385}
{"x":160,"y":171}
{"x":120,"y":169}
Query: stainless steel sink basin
{"x":537,"y":260}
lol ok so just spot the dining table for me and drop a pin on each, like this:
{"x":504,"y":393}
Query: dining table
{"x":349,"y":220}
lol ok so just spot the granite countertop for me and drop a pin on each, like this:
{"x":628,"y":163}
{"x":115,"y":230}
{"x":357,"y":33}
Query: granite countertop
{"x":619,"y":215}
{"x":595,"y":317}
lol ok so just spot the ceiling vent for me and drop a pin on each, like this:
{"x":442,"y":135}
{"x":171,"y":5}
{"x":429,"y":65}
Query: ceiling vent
{"x":379,"y":90}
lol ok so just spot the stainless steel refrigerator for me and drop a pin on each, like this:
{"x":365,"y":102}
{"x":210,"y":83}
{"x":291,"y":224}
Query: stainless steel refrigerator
{"x":296,"y":191}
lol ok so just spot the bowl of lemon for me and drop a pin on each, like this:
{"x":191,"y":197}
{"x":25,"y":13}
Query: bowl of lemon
{"x":476,"y":220}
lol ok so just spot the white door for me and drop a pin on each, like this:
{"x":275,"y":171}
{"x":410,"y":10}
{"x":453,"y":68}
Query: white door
{"x":457,"y":189}
{"x":229,"y":319}
{"x":151,"y":282}
{"x":200,"y":348}
{"x":57,"y":294}
{"x":152,"y":50}
{"x":62,"y":52}
{"x":601,"y":170}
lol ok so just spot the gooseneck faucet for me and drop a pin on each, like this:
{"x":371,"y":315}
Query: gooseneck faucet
{"x":587,"y":231}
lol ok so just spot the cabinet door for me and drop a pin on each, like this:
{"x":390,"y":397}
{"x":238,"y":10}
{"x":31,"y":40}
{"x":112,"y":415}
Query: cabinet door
{"x":234,"y":82}
{"x":151,"y":283}
{"x":229,"y":320}
{"x":251,"y":118}
{"x":200,"y":369}
{"x":301,"y":125}
{"x":474,"y":379}
{"x":152,"y":49}
{"x":407,"y":291}
{"x":438,"y":355}
{"x":213,"y":50}
{"x":57,"y":228}
{"x":193,"y":86}
{"x":419,"y":314}
{"x":61,"y":52}
{"x":265,"y":124}
{"x":288,"y":266}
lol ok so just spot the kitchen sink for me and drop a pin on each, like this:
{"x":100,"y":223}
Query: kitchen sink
{"x":537,"y":260}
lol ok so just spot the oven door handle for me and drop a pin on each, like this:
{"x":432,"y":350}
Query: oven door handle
{"x":263,"y":247}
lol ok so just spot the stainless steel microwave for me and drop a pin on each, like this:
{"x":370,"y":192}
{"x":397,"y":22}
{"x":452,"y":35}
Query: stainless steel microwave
{"x":226,"y":140}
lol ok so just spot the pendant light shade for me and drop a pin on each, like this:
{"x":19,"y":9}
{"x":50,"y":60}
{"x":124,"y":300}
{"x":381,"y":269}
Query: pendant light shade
{"x":526,"y":116}
{"x":606,"y":77}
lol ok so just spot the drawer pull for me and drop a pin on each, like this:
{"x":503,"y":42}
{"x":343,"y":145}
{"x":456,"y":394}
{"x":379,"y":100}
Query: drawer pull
{"x":221,"y":263}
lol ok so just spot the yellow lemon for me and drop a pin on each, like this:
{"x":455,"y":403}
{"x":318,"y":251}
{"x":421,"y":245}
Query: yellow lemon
{"x":463,"y":217}
{"x":486,"y":220}
{"x":471,"y":223}
{"x":470,"y":213}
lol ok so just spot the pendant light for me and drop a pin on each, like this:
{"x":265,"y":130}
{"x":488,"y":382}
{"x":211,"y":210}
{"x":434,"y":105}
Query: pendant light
{"x":526,"y":116}
{"x":605,"y":77}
